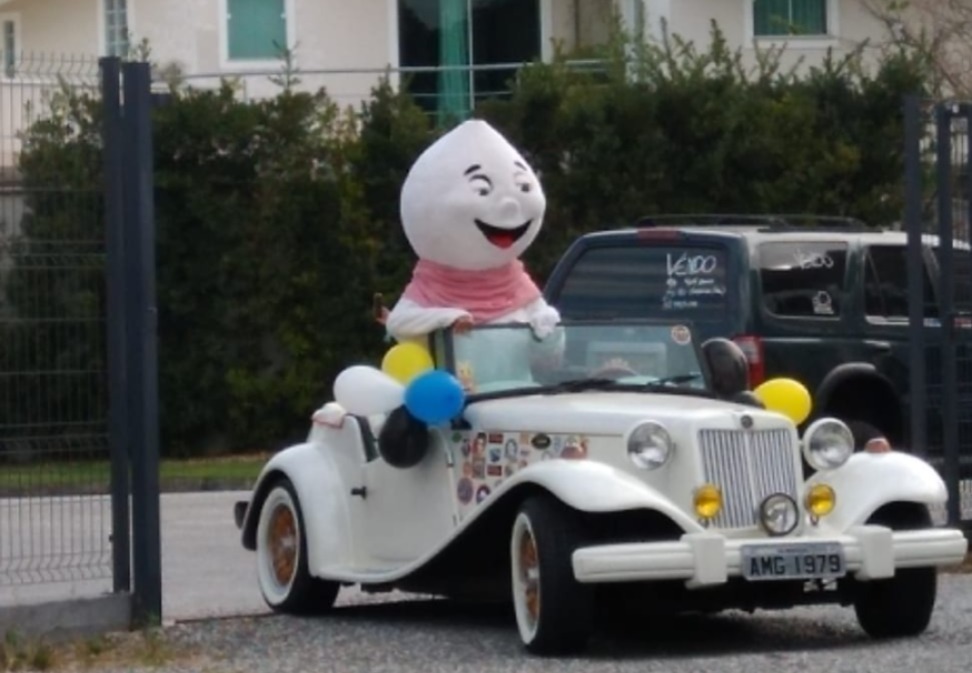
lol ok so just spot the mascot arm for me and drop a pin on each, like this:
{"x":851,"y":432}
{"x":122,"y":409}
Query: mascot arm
{"x":408,"y":320}
{"x":543,"y":317}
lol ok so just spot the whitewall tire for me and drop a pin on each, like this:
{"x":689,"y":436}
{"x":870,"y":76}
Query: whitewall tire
{"x":281,"y":551}
{"x":554,"y":612}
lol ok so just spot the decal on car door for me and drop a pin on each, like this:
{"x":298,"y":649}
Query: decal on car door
{"x":486,"y":459}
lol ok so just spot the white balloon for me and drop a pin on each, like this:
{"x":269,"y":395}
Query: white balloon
{"x":364,"y":390}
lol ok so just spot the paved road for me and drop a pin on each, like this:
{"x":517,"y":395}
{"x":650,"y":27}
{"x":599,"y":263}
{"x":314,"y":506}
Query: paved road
{"x":207,"y":574}
{"x":438,"y":636}
{"x":205,"y":571}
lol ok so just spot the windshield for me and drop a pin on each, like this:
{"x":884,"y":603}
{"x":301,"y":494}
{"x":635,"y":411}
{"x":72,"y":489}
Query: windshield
{"x":577,"y":356}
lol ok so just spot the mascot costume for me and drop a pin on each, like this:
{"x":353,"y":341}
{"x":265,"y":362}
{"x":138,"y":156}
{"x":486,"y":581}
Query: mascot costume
{"x":470,"y":206}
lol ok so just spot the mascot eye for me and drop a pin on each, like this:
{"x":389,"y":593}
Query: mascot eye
{"x":522,"y":183}
{"x":481,"y":185}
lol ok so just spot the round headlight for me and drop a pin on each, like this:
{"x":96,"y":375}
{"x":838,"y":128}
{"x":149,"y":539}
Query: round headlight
{"x":778,"y":514}
{"x":649,"y":445}
{"x":827,"y":444}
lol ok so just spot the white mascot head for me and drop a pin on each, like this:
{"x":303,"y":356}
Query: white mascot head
{"x":471,"y":201}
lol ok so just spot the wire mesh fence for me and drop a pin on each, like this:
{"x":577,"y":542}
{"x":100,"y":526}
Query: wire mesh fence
{"x":433,"y":88}
{"x":55,"y":510}
{"x":941,"y":195}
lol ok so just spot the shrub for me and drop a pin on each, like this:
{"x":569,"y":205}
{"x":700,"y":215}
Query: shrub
{"x":277,"y":219}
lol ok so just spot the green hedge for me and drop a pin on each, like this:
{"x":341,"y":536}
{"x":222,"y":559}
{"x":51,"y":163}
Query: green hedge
{"x":278,"y":219}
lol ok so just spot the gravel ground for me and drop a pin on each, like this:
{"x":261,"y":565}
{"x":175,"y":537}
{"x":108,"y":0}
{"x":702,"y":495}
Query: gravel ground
{"x":381,"y":633}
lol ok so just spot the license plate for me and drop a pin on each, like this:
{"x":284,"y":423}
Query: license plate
{"x":806,"y":560}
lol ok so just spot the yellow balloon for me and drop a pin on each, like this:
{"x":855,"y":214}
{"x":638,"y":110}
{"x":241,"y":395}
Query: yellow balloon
{"x":786,"y":396}
{"x":404,"y":361}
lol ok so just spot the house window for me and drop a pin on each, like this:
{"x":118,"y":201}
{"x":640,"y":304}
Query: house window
{"x":456,"y":34}
{"x":9,"y":47}
{"x":116,"y":27}
{"x":789,"y":17}
{"x":257,"y":29}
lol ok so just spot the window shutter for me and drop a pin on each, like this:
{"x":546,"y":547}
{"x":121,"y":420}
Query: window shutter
{"x":787,"y":17}
{"x":771,"y":17}
{"x":257,"y":29}
{"x":810,"y":16}
{"x":9,"y":48}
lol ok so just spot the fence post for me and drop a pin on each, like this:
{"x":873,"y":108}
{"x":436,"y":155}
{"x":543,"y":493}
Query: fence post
{"x":943,"y":127}
{"x":142,"y":347}
{"x":916,"y":276}
{"x":117,"y":381}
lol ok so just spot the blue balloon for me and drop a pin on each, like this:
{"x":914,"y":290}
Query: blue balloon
{"x":434,"y":396}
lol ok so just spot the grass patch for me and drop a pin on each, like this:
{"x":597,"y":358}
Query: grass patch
{"x":149,"y":647}
{"x":21,"y":654}
{"x":94,"y":476}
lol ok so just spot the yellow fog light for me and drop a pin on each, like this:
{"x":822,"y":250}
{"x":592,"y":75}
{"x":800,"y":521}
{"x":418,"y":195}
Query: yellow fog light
{"x":821,"y":500}
{"x":708,"y":501}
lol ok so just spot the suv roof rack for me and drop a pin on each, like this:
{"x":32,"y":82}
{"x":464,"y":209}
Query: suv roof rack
{"x":770,"y":222}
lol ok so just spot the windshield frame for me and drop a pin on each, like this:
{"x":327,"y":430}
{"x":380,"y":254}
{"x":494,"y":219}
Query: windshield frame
{"x":443,"y":350}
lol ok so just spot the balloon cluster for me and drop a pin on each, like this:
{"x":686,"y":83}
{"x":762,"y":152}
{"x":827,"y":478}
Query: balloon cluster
{"x":786,"y":396}
{"x":407,"y":377}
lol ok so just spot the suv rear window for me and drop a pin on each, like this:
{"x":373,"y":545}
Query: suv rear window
{"x":647,"y":281}
{"x":803,"y":279}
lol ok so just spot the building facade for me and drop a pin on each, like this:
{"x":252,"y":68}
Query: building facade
{"x":451,"y":51}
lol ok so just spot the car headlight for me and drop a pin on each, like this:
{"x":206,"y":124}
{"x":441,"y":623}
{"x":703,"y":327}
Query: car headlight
{"x":649,"y":445}
{"x":778,"y":514}
{"x":827,"y":444}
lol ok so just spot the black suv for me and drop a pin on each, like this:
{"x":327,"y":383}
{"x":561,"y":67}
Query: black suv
{"x":824,"y":302}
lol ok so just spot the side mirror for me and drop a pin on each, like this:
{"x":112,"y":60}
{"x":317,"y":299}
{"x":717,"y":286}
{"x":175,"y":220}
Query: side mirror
{"x":728,"y":365}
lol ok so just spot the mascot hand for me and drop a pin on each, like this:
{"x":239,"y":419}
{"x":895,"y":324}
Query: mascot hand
{"x":462,"y":324}
{"x":544,"y":322}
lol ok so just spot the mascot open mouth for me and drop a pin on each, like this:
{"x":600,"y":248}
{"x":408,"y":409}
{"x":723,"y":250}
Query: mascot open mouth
{"x":502,"y":238}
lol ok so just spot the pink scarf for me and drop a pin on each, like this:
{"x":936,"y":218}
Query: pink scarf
{"x":486,"y":294}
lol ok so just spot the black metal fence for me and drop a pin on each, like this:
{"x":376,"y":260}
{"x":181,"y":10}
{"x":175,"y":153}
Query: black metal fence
{"x":78,"y":421}
{"x":938,"y":182}
{"x":55,"y":514}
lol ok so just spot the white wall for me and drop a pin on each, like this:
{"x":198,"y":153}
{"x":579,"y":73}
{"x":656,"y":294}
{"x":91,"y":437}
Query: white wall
{"x":331,"y":34}
{"x":56,"y":26}
{"x":57,"y":37}
{"x":692,"y":20}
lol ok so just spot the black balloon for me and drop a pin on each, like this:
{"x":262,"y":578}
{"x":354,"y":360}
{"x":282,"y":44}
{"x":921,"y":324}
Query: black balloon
{"x":727,"y":363}
{"x":403,"y":439}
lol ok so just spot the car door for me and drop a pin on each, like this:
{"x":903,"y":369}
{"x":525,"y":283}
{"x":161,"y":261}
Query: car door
{"x":407,"y":512}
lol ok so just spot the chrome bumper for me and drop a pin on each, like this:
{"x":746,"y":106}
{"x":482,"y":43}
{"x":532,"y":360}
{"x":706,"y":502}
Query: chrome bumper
{"x":706,"y":559}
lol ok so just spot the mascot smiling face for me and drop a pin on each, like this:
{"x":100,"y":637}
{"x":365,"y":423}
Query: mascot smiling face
{"x":471,"y":201}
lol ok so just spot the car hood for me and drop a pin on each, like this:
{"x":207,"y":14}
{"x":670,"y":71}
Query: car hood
{"x":609,"y":412}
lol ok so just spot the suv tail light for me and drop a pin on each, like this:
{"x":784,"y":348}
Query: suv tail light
{"x":752,"y":348}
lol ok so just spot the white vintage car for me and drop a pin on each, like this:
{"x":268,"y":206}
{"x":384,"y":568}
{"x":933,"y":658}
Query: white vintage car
{"x":598,"y":465}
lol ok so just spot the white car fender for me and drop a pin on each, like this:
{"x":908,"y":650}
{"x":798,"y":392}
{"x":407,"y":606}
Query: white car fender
{"x":312,"y":469}
{"x":867,"y":481}
{"x":589,"y":486}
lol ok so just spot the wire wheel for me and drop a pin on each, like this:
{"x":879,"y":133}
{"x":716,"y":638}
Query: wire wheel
{"x":553,"y":611}
{"x":526,"y":588}
{"x":283,"y":544}
{"x":282,"y":571}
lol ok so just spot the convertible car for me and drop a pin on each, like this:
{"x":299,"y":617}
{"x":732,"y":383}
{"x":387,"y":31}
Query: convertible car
{"x":602,"y":466}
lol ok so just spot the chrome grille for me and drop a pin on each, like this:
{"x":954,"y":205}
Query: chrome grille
{"x":747,"y":465}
